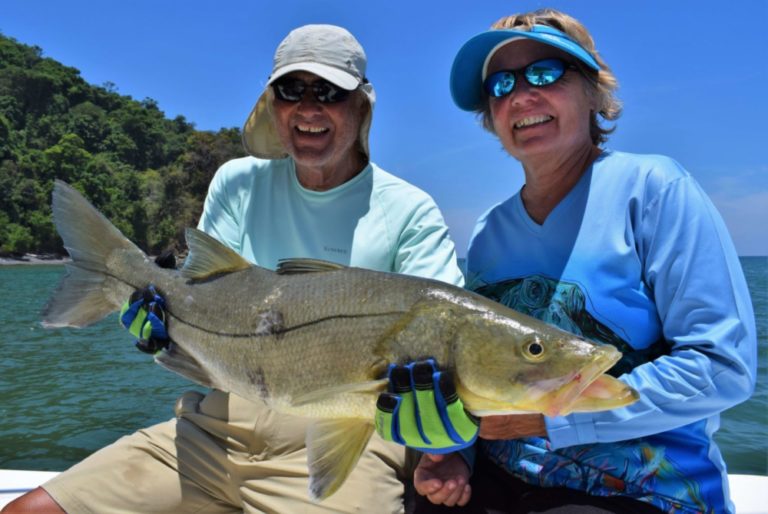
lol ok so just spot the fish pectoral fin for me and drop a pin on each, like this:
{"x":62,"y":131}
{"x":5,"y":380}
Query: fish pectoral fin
{"x":333,"y":448}
{"x":372,"y":387}
{"x":207,"y":256}
{"x":176,"y":359}
{"x":297,"y":266}
{"x":606,"y":392}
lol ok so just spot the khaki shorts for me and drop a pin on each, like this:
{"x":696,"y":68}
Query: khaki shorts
{"x":223,"y":454}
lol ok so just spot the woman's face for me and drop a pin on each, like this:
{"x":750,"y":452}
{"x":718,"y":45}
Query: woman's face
{"x":540,"y":122}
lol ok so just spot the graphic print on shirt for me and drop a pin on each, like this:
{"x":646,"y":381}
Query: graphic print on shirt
{"x":563,"y":305}
{"x":642,"y":469}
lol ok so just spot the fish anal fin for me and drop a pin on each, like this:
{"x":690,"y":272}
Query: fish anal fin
{"x":333,"y":449}
{"x":297,"y":266}
{"x":372,"y":387}
{"x":176,"y":359}
{"x":207,"y":257}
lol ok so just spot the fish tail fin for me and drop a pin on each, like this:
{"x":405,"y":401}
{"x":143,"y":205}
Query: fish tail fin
{"x":333,"y":449}
{"x":91,"y":240}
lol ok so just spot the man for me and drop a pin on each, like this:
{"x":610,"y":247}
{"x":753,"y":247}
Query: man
{"x":308,"y":190}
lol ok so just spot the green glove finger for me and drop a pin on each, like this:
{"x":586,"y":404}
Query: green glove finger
{"x":433,"y":429}
{"x":400,"y":379}
{"x":465,"y":425}
{"x":387,"y":408}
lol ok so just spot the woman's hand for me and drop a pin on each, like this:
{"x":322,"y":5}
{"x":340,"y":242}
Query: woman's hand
{"x":512,"y":426}
{"x":443,"y":479}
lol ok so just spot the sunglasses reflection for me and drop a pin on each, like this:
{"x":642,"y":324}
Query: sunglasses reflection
{"x":291,"y":89}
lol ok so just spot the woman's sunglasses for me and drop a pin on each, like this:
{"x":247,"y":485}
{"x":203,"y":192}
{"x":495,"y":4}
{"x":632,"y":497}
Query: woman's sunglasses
{"x":538,"y":74}
{"x":290,"y":89}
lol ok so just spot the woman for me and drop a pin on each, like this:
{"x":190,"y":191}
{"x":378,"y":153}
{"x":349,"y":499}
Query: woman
{"x":621,"y":248}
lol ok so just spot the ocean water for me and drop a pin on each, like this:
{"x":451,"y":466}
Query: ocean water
{"x":65,"y":393}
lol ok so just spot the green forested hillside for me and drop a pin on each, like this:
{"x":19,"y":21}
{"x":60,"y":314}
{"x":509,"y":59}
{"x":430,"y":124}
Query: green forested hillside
{"x":146,"y":173}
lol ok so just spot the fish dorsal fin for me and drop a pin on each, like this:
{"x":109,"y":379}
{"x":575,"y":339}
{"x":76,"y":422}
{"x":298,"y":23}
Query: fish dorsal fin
{"x":296,"y":266}
{"x":374,"y":387}
{"x":207,"y":256}
{"x":333,"y":448}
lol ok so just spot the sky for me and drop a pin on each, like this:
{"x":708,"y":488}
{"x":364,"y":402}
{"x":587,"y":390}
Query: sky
{"x":692,"y":74}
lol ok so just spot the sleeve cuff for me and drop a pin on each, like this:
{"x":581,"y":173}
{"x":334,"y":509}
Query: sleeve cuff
{"x":564,"y":431}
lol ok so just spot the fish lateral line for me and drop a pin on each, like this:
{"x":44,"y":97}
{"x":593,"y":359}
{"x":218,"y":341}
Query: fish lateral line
{"x":284,"y":330}
{"x":467,"y":334}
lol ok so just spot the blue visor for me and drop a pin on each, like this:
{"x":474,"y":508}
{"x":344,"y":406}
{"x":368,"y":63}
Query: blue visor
{"x":467,"y":70}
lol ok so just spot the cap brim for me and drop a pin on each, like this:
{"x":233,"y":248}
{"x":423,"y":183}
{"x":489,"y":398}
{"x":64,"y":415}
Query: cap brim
{"x":259,"y":135}
{"x":334,"y":75}
{"x":467,"y":69}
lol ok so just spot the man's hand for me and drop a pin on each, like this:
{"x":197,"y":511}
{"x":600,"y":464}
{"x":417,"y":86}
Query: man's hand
{"x":423,"y":411}
{"x":143,"y":315}
{"x":443,"y":479}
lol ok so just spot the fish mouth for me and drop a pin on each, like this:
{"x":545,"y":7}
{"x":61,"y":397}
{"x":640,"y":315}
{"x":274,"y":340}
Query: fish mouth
{"x":583,"y":390}
{"x":567,"y":398}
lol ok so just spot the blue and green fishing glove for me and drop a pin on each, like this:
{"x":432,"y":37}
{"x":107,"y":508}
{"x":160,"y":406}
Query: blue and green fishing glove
{"x":421,"y":410}
{"x":144,"y":317}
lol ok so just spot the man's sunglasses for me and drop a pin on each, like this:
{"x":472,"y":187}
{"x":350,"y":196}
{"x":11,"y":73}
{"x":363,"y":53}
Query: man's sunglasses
{"x":290,"y":89}
{"x":538,"y":74}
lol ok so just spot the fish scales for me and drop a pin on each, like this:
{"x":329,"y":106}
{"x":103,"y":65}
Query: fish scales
{"x":331,"y":342}
{"x":315,"y":338}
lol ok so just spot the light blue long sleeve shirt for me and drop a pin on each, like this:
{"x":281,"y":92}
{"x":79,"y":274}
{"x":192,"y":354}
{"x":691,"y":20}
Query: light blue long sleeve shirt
{"x":635,"y":253}
{"x":375,"y":220}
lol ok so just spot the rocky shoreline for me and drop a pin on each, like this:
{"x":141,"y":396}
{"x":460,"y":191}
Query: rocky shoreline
{"x":33,"y":259}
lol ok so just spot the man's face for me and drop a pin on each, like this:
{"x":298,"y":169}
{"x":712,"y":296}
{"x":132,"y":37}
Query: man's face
{"x":319,"y":135}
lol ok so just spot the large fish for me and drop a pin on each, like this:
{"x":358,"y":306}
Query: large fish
{"x":314,"y":338}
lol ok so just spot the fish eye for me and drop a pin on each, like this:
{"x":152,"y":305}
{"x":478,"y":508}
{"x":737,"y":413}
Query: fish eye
{"x":533,"y":350}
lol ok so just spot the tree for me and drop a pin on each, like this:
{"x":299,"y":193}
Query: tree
{"x":5,"y":138}
{"x":146,"y":173}
{"x":67,"y":159}
{"x":15,"y":239}
{"x":89,"y":122}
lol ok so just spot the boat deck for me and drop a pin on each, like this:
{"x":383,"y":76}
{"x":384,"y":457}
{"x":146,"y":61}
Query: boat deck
{"x":750,"y":492}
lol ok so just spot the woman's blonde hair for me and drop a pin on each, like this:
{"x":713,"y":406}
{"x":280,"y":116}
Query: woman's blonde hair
{"x":602,"y":84}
